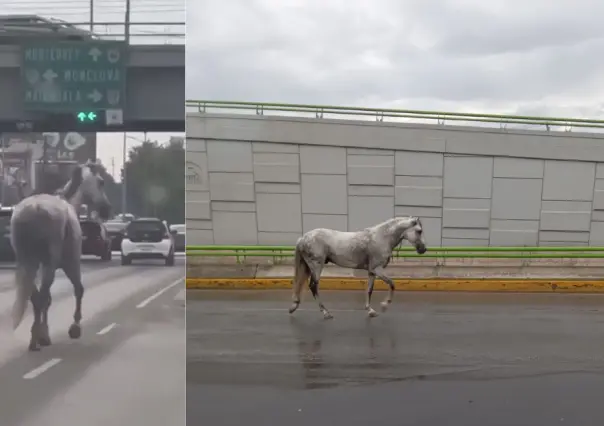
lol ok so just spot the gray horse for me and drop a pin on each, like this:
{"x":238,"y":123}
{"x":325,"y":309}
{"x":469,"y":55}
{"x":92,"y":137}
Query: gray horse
{"x":46,"y":235}
{"x":369,"y":249}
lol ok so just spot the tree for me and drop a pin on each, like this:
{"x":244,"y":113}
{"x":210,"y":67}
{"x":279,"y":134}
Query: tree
{"x":155,"y":180}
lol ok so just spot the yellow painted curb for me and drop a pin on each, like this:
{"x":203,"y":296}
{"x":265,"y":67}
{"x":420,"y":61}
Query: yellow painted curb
{"x":420,"y":284}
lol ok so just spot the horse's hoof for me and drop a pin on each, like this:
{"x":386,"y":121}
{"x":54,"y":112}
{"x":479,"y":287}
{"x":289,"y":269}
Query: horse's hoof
{"x":33,"y":347}
{"x":385,"y":306}
{"x":372,"y":313}
{"x":75,"y":331}
{"x":327,"y":316}
{"x":293,"y":308}
{"x":44,"y":341}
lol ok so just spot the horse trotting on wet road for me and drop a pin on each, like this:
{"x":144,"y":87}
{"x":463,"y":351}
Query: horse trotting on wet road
{"x":46,"y":235}
{"x":369,"y":249}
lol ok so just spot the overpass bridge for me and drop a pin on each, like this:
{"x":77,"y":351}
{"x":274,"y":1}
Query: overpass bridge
{"x":137,"y":88}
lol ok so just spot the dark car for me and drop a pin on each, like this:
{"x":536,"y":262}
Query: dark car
{"x":6,"y":249}
{"x":115,"y":229}
{"x":95,"y":239}
{"x":179,"y":231}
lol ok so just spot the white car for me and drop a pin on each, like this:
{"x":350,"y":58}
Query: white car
{"x":147,"y":238}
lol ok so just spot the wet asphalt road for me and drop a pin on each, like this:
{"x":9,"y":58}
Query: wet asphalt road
{"x":432,"y":359}
{"x":126,"y":369}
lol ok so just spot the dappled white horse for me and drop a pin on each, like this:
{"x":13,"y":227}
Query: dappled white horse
{"x":46,"y":235}
{"x":369,"y":249}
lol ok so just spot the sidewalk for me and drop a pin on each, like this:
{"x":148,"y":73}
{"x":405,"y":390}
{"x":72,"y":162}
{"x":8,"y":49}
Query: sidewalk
{"x":405,"y":268}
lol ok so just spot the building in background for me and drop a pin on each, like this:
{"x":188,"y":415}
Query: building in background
{"x":40,"y":161}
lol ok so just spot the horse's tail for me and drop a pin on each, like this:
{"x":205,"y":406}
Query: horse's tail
{"x":29,"y":250}
{"x":25,"y":286}
{"x":301,"y":276}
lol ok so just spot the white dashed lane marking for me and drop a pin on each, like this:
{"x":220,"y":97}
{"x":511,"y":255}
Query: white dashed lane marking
{"x":158,"y":293}
{"x":106,"y":329}
{"x":41,"y":369}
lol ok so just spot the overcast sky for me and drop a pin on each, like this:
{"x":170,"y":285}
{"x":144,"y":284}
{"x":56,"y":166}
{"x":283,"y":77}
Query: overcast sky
{"x":501,"y":56}
{"x":109,"y":145}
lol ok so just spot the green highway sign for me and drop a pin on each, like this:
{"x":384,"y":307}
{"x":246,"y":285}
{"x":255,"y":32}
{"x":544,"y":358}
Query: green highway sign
{"x":73,"y":76}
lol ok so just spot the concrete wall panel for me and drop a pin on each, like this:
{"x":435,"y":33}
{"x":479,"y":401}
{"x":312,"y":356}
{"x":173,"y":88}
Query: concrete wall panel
{"x":235,"y":228}
{"x":339,"y":222}
{"x":419,"y":191}
{"x":409,"y":163}
{"x":568,"y":181}
{"x":418,"y":211}
{"x":198,"y":205}
{"x":276,"y":167}
{"x":279,"y":213}
{"x":514,"y":233}
{"x":370,"y":170}
{"x":229,"y":156}
{"x":324,"y":194}
{"x":468,"y":177}
{"x":565,"y":216}
{"x":505,"y":167}
{"x":325,"y":160}
{"x":516,"y":198}
{"x":369,"y":211}
{"x":232,"y":186}
{"x":466,"y":213}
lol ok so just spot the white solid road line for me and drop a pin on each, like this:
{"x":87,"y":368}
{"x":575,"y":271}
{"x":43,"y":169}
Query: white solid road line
{"x":106,"y":329}
{"x":159,"y":293}
{"x":41,"y":369}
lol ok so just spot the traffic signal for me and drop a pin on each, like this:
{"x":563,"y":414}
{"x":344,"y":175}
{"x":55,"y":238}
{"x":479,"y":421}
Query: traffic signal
{"x":85,"y":116}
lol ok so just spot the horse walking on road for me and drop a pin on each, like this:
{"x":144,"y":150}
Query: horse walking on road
{"x":46,"y":236}
{"x":369,"y":249}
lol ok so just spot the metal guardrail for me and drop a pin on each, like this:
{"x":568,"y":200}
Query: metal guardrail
{"x":441,"y":117}
{"x":409,"y":252}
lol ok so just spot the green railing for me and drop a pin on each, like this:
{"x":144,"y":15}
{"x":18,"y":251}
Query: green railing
{"x":379,"y":113}
{"x":279,"y":252}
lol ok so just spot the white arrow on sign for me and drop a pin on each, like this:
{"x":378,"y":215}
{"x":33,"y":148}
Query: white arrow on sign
{"x":95,"y":53}
{"x":49,"y":75}
{"x":95,"y":95}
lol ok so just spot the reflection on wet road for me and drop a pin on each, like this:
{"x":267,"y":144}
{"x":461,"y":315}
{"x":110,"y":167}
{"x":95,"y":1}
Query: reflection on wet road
{"x":516,"y":353}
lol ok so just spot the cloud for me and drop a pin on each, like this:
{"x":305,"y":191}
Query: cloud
{"x":458,"y":55}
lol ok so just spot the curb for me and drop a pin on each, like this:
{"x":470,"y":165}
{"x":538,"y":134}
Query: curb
{"x":526,"y":285}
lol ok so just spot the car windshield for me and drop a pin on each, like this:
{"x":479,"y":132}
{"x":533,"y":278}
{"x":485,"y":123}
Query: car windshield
{"x":115,"y":226}
{"x":148,"y":226}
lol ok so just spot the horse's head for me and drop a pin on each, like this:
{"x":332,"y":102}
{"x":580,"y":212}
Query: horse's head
{"x":87,"y":182}
{"x":414,"y":233}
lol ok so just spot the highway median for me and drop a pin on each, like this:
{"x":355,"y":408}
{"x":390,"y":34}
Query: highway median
{"x":553,"y":275}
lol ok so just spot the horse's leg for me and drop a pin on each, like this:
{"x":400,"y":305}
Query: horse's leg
{"x":35,"y":327}
{"x":48,"y":277}
{"x":379,"y":271}
{"x":74,"y":274}
{"x":316,"y":267}
{"x":370,"y":282}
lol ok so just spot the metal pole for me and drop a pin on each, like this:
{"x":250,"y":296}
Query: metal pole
{"x":124,"y":179}
{"x":3,"y":172}
{"x":127,"y":22}
{"x":91,"y":16}
{"x":124,"y":173}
